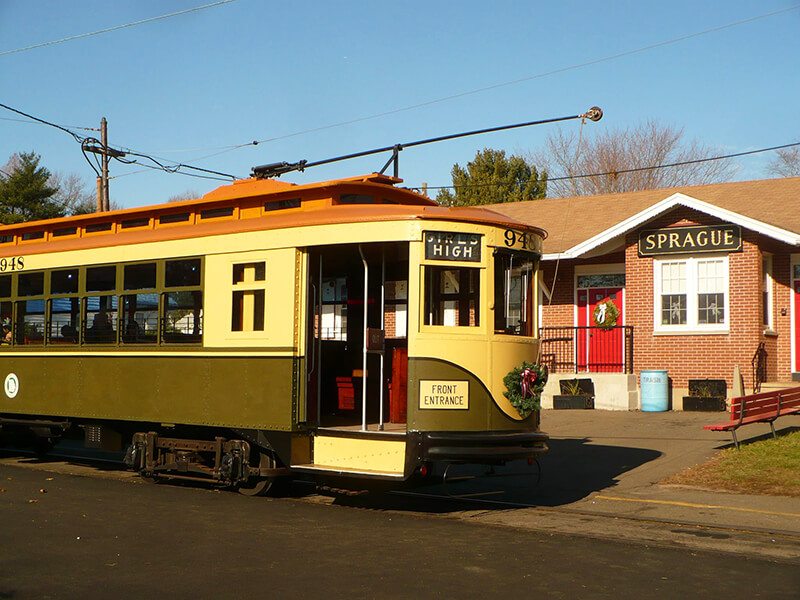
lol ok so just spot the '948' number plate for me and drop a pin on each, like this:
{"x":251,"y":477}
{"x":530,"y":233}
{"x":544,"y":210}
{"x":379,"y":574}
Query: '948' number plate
{"x":14,"y":263}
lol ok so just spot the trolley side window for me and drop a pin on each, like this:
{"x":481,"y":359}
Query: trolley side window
{"x":452,"y":296}
{"x":249,"y":296}
{"x":182,"y":307}
{"x":101,"y":319}
{"x":139,"y":318}
{"x":6,"y":310}
{"x":183,"y":317}
{"x":101,"y":279}
{"x":513,"y":293}
{"x":64,"y":321}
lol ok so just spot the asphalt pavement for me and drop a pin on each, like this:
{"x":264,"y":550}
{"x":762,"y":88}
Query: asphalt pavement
{"x":604,"y":476}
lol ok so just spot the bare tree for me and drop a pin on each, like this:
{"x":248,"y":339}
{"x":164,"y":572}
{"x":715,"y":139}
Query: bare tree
{"x":622,"y":160}
{"x":73,"y":194}
{"x":76,"y":195}
{"x":786,"y":163}
{"x":187,"y":195}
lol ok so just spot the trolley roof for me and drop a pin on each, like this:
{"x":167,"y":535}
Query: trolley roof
{"x":245,"y":205}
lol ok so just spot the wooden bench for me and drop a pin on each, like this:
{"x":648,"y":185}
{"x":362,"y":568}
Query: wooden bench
{"x":760,"y":408}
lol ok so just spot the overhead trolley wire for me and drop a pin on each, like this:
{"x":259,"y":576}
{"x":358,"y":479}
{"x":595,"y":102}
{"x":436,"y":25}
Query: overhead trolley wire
{"x":117,"y":27}
{"x":225,"y":149}
{"x":622,"y":171}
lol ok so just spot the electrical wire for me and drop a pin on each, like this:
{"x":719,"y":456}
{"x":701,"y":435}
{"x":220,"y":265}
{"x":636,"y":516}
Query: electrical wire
{"x":78,"y":138}
{"x":225,"y":149}
{"x":117,"y":27}
{"x":620,"y":171}
{"x":91,"y":145}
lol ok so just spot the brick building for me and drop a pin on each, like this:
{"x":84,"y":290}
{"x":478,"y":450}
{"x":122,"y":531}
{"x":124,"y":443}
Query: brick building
{"x":700,"y":281}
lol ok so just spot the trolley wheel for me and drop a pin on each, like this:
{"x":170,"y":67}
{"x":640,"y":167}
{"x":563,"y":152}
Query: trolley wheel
{"x":262,"y":486}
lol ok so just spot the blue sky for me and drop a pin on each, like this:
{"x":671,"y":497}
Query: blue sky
{"x":194,"y":85}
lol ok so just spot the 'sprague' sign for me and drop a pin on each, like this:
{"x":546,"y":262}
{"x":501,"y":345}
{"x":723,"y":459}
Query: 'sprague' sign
{"x":680,"y":240}
{"x":443,"y":245}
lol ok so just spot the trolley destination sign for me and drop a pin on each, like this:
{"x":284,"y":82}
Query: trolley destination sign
{"x":447,"y":245}
{"x":679,"y":240}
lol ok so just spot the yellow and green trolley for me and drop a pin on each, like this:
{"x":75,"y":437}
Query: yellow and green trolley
{"x":343,"y":329}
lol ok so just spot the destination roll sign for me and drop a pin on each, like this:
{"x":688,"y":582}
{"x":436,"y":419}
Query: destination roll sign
{"x":447,"y":245}
{"x":682,"y":240}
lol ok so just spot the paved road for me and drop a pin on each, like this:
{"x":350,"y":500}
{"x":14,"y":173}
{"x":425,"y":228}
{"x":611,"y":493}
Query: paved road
{"x":96,"y":537}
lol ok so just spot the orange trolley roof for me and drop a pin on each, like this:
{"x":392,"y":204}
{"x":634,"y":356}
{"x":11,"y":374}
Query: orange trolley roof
{"x":244,"y":205}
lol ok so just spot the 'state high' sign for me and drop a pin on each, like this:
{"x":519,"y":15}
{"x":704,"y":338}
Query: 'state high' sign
{"x":690,"y":240}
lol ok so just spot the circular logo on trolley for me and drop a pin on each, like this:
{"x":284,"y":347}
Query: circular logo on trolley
{"x":11,"y":385}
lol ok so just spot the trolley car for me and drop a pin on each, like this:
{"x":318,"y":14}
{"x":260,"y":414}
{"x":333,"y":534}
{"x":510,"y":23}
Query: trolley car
{"x":343,"y":329}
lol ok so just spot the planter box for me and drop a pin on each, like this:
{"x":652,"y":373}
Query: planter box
{"x":707,"y":388}
{"x":569,"y":402}
{"x":705,"y":403}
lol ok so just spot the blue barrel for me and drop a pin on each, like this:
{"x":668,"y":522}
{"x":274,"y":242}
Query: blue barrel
{"x":654,"y":385}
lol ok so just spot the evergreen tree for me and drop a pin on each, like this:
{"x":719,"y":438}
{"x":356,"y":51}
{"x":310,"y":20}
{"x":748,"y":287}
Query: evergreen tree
{"x":26,"y":193}
{"x":492,"y":178}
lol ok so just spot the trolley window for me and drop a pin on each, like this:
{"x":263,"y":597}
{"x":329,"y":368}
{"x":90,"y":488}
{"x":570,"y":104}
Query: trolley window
{"x":101,"y":320}
{"x":30,"y":322}
{"x":183,"y":317}
{"x":139,"y":318}
{"x":64,"y":282}
{"x":513,"y":293}
{"x":139,"y":276}
{"x":249,"y":297}
{"x":6,"y":312}
{"x":31,"y":284}
{"x":101,"y":279}
{"x":64,"y":321}
{"x":5,"y":286}
{"x":452,"y":296}
{"x":182,"y":273}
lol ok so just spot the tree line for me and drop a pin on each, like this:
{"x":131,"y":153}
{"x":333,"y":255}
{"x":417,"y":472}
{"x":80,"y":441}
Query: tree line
{"x":612,"y":161}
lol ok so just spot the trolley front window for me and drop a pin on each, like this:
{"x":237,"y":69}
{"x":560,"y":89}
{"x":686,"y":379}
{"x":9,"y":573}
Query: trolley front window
{"x":452,"y":296}
{"x":513,"y":293}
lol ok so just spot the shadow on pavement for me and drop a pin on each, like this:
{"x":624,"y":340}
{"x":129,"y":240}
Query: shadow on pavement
{"x":572,"y":470}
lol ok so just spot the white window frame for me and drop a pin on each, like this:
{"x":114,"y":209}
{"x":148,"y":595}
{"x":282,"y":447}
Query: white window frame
{"x":768,"y":298}
{"x":691,"y":326}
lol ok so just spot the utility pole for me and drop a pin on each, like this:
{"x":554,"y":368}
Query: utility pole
{"x":103,"y":202}
{"x":104,"y":141}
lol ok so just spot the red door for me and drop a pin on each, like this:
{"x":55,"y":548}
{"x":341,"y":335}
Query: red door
{"x":398,"y":393}
{"x":600,"y":350}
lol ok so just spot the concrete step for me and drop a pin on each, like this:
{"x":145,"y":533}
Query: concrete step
{"x":778,"y":385}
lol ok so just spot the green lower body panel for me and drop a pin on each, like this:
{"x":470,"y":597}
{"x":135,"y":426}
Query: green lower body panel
{"x":221,"y":391}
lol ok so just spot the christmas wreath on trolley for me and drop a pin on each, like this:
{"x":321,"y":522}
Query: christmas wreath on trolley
{"x":524,"y":385}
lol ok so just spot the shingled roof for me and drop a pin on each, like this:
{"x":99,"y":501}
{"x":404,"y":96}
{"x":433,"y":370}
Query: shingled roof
{"x":580,"y":224}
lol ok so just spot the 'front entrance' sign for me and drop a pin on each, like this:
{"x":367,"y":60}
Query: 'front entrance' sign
{"x":683,"y":240}
{"x":450,"y":395}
